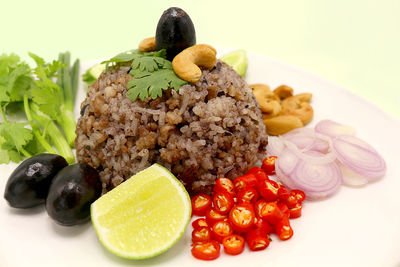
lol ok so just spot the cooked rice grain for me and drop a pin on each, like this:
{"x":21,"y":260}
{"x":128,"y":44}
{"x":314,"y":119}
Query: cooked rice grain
{"x":209,"y":129}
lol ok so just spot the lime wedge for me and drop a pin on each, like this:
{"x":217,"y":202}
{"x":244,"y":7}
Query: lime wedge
{"x":237,"y":60}
{"x":144,"y":216}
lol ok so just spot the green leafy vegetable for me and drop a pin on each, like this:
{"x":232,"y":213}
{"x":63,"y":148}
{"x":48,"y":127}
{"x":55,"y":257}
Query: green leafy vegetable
{"x":152,"y":73}
{"x":44,"y":102}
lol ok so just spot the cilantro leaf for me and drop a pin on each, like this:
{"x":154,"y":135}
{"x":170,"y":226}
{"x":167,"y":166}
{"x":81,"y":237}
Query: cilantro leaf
{"x":15,"y":135}
{"x":153,"y":84}
{"x":8,"y":155}
{"x":15,"y":78}
{"x":152,"y":73}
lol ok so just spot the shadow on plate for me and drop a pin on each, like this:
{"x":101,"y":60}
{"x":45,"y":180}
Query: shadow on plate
{"x":164,"y":258}
{"x":27,"y":212}
{"x":69,"y":231}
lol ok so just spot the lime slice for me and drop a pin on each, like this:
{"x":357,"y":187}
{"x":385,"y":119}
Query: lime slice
{"x":144,"y":216}
{"x":237,"y":60}
{"x":92,"y":74}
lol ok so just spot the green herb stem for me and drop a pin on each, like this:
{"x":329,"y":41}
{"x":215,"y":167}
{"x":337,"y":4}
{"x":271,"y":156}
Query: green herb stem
{"x":55,"y":134}
{"x":67,"y":82}
{"x":75,"y":79}
{"x":3,"y":114}
{"x":26,"y":153}
{"x":35,"y":127}
{"x":67,"y":122}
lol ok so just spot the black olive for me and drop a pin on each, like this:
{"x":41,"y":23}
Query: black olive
{"x":28,"y":185}
{"x":71,"y":193}
{"x":175,"y":32}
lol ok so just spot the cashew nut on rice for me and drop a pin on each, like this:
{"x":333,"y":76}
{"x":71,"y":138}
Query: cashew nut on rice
{"x":148,"y":45}
{"x":186,"y":64}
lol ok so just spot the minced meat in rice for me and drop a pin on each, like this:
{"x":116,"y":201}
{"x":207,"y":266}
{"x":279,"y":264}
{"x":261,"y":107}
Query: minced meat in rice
{"x":209,"y":129}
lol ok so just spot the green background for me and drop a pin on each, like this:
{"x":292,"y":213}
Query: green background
{"x":353,"y":43}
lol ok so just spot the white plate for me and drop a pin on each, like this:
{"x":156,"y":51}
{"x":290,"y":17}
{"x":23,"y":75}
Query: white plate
{"x":356,"y":227}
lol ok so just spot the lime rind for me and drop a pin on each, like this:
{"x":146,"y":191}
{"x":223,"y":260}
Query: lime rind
{"x":237,"y":60}
{"x":102,"y":232}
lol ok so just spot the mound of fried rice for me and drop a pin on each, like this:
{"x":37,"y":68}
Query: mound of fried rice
{"x":212,"y":128}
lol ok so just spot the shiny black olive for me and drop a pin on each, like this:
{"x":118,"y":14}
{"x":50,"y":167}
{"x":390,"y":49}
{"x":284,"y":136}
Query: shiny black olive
{"x":71,"y":192}
{"x":28,"y":185}
{"x":175,"y":32}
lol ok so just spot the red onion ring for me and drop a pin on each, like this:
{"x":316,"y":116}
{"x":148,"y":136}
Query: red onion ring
{"x":306,"y":139}
{"x":275,"y":146}
{"x":333,"y":129}
{"x":351,"y":178}
{"x":359,"y":156}
{"x":321,"y":158}
{"x":316,"y":180}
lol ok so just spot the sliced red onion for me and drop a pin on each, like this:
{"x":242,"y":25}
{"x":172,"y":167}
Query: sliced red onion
{"x":316,"y":180}
{"x":351,"y":178}
{"x":322,"y":158}
{"x":306,"y":139}
{"x":333,"y":129}
{"x":359,"y":156}
{"x":275,"y":146}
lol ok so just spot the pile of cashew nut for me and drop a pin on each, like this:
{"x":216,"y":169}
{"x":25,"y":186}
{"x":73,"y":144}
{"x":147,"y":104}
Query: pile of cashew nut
{"x":282,"y":111}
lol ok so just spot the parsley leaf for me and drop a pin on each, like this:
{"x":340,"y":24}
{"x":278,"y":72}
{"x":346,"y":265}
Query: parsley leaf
{"x":152,"y":73}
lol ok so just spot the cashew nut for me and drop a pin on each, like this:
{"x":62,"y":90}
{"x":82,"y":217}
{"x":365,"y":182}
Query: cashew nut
{"x":269,"y":103}
{"x":260,"y":87}
{"x":304,"y":97}
{"x":282,"y":124}
{"x":148,"y":45}
{"x":186,"y":63}
{"x":283,"y":91}
{"x":294,"y":106}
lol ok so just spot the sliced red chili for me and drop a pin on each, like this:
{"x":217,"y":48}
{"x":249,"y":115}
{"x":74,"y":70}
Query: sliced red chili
{"x":245,"y":181}
{"x":268,"y":165}
{"x":233,"y":244}
{"x":268,"y":189}
{"x":283,"y":192}
{"x":295,"y":212}
{"x":200,"y":222}
{"x":263,"y":225}
{"x":209,"y":250}
{"x":224,"y":185}
{"x":247,"y":195}
{"x":258,"y":206}
{"x":223,"y":202}
{"x":261,"y":176}
{"x":291,"y":201}
{"x":283,"y":229}
{"x":271,"y":213}
{"x":300,"y":195}
{"x":200,"y":204}
{"x":213,"y":216}
{"x":220,"y":230}
{"x":284,"y":208}
{"x":201,"y":234}
{"x":256,"y":171}
{"x":242,"y":217}
{"x":257,"y":239}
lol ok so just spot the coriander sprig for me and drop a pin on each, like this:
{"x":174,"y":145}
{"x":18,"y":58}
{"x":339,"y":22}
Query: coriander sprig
{"x":151,"y":71}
